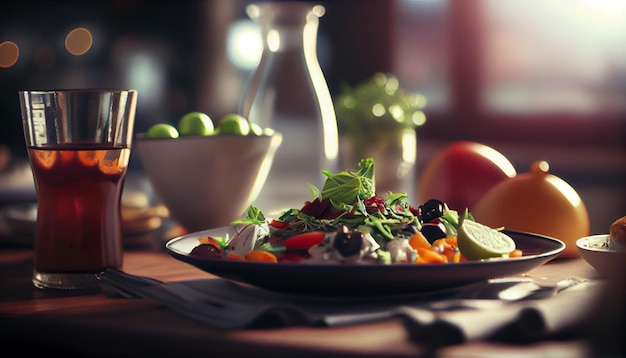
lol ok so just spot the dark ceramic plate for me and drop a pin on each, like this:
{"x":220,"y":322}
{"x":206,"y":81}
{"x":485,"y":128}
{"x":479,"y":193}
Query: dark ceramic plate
{"x":366,"y":279}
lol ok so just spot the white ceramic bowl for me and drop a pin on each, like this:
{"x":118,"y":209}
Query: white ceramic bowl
{"x":207,"y":182}
{"x":595,"y":250}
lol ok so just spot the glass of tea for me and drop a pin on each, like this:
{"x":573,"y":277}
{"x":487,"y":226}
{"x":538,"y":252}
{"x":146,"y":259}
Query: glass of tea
{"x":78,"y":145}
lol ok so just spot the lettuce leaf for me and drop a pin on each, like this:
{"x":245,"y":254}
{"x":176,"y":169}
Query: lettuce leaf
{"x":346,"y":188}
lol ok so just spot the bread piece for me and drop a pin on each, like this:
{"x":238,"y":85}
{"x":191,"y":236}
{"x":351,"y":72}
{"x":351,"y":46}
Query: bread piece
{"x":617,"y":235}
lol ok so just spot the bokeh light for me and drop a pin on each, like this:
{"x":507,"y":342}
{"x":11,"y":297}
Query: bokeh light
{"x":378,"y":110}
{"x":244,"y":44}
{"x":78,"y":41}
{"x":418,"y":118}
{"x":142,"y":66}
{"x":9,"y":53}
{"x":273,"y":40}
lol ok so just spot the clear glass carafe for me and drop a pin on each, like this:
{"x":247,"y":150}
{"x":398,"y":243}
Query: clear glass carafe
{"x":288,"y":93}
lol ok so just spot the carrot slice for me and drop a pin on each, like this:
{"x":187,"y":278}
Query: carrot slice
{"x":419,"y":240}
{"x":233,"y":256}
{"x":446,"y":246}
{"x":430,"y":256}
{"x":260,"y":255}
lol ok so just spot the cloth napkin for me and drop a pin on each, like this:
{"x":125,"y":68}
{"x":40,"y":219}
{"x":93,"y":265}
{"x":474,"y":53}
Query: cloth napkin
{"x":431,"y":320}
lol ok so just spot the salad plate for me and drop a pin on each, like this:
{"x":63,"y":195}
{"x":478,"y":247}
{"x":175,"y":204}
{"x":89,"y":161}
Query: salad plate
{"x":365,"y":279}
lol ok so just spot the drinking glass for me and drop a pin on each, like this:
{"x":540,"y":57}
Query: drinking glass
{"x":78,"y":145}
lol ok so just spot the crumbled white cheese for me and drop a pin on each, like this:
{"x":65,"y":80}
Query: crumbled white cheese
{"x":401,"y":251}
{"x":326,"y":252}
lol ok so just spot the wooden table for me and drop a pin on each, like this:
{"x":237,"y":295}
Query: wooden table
{"x":34,"y":321}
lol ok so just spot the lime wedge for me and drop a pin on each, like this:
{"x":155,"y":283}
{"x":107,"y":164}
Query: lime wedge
{"x":478,"y":242}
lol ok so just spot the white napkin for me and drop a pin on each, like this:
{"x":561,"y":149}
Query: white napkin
{"x":435,"y":322}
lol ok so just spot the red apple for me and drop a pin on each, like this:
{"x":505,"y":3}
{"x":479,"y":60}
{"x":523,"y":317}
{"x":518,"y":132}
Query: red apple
{"x":462,"y":173}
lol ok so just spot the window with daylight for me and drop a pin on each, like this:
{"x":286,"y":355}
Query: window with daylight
{"x":525,"y":71}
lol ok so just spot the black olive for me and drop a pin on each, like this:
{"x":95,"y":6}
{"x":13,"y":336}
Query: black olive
{"x":433,"y":232}
{"x":348,"y":244}
{"x":207,"y":251}
{"x":431,"y":210}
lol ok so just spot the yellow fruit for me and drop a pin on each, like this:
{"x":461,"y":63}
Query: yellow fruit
{"x":478,"y":242}
{"x":536,"y":202}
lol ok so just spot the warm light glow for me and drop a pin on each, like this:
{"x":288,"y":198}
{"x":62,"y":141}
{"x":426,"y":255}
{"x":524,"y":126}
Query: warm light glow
{"x":244,"y":45}
{"x":145,"y":73}
{"x":9,"y":53}
{"x":409,"y":146}
{"x":418,"y":118}
{"x":318,"y":11}
{"x":531,"y":66}
{"x":331,"y":142}
{"x":570,"y":194}
{"x":611,"y":8}
{"x":500,"y":160}
{"x":392,"y":85}
{"x":78,"y":41}
{"x":349,"y":102}
{"x":378,"y":110}
{"x":397,"y":113}
{"x":273,"y":40}
{"x":142,"y":68}
{"x":253,"y":11}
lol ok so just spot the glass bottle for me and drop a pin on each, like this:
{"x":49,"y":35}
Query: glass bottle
{"x":288,"y":93}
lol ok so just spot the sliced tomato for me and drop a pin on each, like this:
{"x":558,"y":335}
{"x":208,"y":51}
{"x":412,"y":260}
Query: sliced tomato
{"x":278,"y":224}
{"x":304,"y":241}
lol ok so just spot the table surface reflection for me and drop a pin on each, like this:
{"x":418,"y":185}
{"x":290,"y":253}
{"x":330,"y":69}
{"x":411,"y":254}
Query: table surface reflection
{"x":91,"y":324}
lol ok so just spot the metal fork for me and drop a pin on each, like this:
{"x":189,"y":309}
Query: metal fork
{"x":214,"y":310}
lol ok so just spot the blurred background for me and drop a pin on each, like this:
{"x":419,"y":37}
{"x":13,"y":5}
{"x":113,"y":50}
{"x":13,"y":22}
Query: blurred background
{"x":534,"y":79}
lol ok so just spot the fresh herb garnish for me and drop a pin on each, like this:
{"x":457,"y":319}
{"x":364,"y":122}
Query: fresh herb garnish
{"x":347,"y":187}
{"x":253,"y":216}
